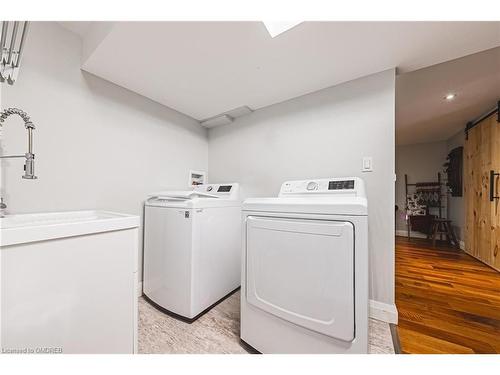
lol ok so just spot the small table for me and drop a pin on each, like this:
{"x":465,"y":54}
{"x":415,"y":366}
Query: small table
{"x":443,"y":226}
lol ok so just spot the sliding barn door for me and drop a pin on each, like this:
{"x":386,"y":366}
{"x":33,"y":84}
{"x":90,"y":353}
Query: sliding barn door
{"x":481,"y":189}
{"x":493,"y":257}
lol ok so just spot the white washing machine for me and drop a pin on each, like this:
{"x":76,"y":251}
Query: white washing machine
{"x":192,"y":248}
{"x":304,"y":285}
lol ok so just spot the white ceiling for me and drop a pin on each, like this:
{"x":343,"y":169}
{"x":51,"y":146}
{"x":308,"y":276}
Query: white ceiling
{"x":422,"y":114}
{"x":80,"y":28}
{"x":203,"y":69}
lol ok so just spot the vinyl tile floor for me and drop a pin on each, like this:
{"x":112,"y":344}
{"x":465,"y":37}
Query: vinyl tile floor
{"x":217,"y":331}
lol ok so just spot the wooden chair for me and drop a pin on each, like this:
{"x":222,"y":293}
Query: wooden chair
{"x":443,"y":226}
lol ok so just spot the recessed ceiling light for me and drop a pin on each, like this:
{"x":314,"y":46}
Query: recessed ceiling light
{"x":275,"y":28}
{"x":450,"y":96}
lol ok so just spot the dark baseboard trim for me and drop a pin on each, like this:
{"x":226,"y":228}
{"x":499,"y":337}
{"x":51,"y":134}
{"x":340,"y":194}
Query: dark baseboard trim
{"x":183,"y":318}
{"x":395,"y":338}
{"x":249,"y":348}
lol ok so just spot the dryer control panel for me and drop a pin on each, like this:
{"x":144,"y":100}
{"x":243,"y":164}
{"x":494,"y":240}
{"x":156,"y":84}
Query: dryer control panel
{"x":352,"y":186}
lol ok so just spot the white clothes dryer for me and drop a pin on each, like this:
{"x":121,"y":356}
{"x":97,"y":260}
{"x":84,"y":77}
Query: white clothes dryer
{"x":305,"y":268}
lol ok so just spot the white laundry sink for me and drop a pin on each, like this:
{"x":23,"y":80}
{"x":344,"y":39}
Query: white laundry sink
{"x":24,"y":228}
{"x":68,"y":282}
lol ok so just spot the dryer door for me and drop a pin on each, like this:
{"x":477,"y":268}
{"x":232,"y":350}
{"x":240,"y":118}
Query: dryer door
{"x":303,"y":271}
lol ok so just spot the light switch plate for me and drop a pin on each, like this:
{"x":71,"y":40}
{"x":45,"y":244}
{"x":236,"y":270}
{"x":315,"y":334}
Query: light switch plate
{"x":367,"y":164}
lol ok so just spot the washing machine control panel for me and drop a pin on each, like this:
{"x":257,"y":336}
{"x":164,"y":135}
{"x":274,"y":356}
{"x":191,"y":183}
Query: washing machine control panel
{"x":348,"y":185}
{"x":229,"y":191}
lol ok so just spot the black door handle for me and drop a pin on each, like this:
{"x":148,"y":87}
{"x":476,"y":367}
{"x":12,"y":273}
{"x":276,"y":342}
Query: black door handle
{"x":493,"y":195}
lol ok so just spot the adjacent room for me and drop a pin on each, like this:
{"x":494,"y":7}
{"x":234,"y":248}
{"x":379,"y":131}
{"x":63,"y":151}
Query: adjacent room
{"x":447,"y":261}
{"x":241,"y":187}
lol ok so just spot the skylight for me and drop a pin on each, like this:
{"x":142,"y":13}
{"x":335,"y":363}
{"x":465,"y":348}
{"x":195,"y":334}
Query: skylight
{"x":276,"y":28}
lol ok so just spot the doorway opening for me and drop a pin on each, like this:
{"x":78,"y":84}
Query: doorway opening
{"x":448,"y":207}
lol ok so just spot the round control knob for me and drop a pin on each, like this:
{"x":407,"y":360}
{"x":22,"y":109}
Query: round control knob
{"x":209,"y":188}
{"x":312,"y":185}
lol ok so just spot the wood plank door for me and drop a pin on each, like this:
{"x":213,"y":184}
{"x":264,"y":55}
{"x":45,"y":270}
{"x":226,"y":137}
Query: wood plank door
{"x":482,"y":216}
{"x":493,"y":258}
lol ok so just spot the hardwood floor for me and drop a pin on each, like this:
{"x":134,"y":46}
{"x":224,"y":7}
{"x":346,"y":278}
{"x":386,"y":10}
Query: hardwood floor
{"x":448,"y":302}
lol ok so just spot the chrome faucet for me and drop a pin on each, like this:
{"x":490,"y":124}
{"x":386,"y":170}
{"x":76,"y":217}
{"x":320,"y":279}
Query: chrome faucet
{"x":29,"y":166}
{"x":3,"y":207}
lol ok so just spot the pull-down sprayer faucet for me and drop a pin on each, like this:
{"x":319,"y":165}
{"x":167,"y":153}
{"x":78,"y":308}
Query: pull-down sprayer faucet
{"x":29,"y":166}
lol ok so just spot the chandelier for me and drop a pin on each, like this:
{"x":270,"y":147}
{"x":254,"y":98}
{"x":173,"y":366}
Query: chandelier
{"x":12,"y":42}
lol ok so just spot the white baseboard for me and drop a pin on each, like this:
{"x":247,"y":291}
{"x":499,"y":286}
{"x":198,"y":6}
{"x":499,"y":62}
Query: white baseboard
{"x":462,"y":245}
{"x":139,"y":289}
{"x":404,"y":233}
{"x":383,"y":311}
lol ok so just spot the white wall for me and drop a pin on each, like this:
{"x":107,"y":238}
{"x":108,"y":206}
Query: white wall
{"x":322,"y":134}
{"x":456,"y":205}
{"x":421,"y":162}
{"x":1,"y":144}
{"x":100,"y":146}
{"x":97,"y":145}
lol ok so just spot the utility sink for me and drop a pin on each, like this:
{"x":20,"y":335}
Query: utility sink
{"x":68,"y":282}
{"x":24,"y":228}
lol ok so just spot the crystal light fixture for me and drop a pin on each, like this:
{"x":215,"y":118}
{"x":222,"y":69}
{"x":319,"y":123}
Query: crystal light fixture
{"x":12,"y":42}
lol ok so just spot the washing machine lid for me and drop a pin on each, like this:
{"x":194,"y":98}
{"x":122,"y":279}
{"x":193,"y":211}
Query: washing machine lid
{"x":190,"y":203}
{"x":332,"y":196}
{"x":208,"y":195}
{"x":182,"y":195}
